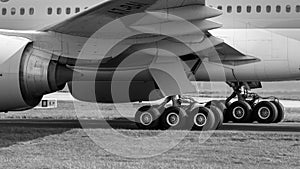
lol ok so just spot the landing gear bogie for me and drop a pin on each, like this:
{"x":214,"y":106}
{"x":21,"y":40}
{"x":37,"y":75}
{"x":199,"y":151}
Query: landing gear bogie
{"x":262,"y":109}
{"x":179,"y":116}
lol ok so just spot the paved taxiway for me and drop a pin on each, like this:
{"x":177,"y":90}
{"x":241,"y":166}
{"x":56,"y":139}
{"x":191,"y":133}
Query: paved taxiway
{"x":127,"y":124}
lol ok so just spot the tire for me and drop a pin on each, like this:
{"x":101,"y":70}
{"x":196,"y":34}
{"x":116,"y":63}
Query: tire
{"x":265,"y":112}
{"x":173,"y":118}
{"x":217,"y":103}
{"x":239,"y":112}
{"x":224,"y":110}
{"x":147,"y":112}
{"x":219,"y":117}
{"x":222,"y":106}
{"x":280,"y":110}
{"x":203,"y":113}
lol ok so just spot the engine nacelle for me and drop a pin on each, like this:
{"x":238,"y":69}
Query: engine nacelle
{"x":26,"y":74}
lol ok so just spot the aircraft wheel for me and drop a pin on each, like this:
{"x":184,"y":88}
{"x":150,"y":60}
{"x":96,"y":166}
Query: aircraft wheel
{"x":280,"y":110}
{"x":222,"y":106}
{"x":224,"y":110}
{"x":219,"y":104}
{"x":147,"y":117}
{"x":239,"y":112}
{"x":202,"y":118}
{"x":219,"y":117}
{"x":265,"y":112}
{"x":174,"y":118}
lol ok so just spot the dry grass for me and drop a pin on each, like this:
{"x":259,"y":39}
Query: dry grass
{"x":74,"y":149}
{"x":13,"y":135}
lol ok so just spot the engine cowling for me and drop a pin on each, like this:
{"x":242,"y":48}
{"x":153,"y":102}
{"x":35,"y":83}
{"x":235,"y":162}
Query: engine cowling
{"x":26,"y":74}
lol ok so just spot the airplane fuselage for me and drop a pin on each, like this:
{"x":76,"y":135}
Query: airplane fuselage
{"x":241,"y":14}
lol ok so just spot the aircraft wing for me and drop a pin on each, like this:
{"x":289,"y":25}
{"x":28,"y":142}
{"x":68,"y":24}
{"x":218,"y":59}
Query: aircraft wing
{"x":158,"y":28}
{"x":179,"y":26}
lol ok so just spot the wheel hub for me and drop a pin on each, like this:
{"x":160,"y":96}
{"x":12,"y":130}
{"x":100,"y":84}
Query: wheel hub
{"x":238,"y":112}
{"x":146,"y":118}
{"x":173,"y":119}
{"x":264,"y":113}
{"x":200,"y":120}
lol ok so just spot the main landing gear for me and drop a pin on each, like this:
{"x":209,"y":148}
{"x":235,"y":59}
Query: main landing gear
{"x":183,"y":113}
{"x":186,"y":113}
{"x":251,"y":107}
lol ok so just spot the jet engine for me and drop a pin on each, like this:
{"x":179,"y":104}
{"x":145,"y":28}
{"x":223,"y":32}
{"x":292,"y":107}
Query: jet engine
{"x":26,"y":74}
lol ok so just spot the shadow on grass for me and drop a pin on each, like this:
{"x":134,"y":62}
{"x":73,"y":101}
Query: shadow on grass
{"x":13,"y":135}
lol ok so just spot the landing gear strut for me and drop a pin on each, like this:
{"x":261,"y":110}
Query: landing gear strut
{"x":183,"y":113}
{"x":251,"y":107}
